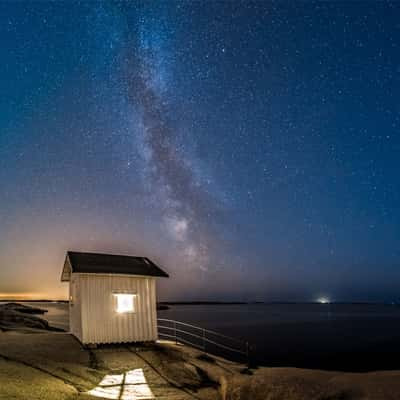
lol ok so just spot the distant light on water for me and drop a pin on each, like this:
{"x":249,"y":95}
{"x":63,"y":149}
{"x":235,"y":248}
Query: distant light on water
{"x":323,"y":300}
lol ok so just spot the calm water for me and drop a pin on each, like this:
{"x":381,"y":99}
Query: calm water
{"x":333,"y":336}
{"x":329,"y":336}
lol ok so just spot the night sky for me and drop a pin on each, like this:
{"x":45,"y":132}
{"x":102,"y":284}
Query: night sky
{"x":251,"y":149}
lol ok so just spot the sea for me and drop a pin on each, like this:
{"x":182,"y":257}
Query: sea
{"x":346,"y":337}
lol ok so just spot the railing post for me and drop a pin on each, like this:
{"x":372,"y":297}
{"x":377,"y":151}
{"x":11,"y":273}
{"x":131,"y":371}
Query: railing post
{"x":248,"y":354}
{"x":176,"y":338}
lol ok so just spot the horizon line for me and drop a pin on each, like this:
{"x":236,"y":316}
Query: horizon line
{"x":216,"y":302}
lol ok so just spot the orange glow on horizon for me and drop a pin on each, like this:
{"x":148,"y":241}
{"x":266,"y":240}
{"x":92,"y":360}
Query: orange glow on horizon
{"x":29,"y":296}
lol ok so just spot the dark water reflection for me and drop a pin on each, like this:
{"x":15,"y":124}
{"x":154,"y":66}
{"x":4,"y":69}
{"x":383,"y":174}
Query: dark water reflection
{"x":348,"y":337}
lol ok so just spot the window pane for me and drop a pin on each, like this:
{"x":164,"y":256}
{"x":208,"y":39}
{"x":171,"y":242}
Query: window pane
{"x":125,"y":303}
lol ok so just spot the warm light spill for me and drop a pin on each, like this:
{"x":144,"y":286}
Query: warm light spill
{"x":130,"y":385}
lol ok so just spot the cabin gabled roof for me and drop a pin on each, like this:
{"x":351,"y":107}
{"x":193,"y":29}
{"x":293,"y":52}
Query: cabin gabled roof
{"x":97,"y":263}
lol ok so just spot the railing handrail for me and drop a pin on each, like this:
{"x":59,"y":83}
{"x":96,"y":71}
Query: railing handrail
{"x":241,"y":341}
{"x":203,"y":337}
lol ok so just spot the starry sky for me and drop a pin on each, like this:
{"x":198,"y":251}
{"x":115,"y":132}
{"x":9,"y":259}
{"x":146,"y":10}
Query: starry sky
{"x":252,"y":149}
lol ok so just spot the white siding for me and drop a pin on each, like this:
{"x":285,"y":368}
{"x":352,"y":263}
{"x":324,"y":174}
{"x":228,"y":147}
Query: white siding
{"x":75,"y":307}
{"x":99,"y":320}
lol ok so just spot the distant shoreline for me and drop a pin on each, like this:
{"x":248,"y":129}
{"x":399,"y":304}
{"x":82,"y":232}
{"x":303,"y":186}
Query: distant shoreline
{"x":212,"y":303}
{"x":33,"y":301}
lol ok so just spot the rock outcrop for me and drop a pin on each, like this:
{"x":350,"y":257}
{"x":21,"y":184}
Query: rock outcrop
{"x":19,"y":317}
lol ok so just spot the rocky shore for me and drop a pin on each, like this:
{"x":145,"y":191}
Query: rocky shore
{"x":22,"y":318}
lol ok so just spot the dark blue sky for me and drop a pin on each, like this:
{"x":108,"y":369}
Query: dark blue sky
{"x":252,"y":149}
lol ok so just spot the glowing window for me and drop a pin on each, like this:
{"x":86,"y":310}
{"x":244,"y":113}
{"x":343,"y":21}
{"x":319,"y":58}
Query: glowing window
{"x":125,"y":302}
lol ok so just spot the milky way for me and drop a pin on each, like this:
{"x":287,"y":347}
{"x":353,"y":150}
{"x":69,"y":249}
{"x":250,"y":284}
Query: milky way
{"x":182,"y":201}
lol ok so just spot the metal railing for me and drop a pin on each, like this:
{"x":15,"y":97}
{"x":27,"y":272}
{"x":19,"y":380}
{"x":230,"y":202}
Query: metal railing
{"x":205,"y":340}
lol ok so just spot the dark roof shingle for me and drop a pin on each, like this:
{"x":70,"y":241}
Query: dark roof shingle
{"x":97,"y":263}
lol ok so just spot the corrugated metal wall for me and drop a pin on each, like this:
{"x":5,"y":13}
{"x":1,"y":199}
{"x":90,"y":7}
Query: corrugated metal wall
{"x":75,"y":307}
{"x":100,"y":321}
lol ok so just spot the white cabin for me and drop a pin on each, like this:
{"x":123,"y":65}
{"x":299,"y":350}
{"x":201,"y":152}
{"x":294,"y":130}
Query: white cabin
{"x":112,"y":298}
